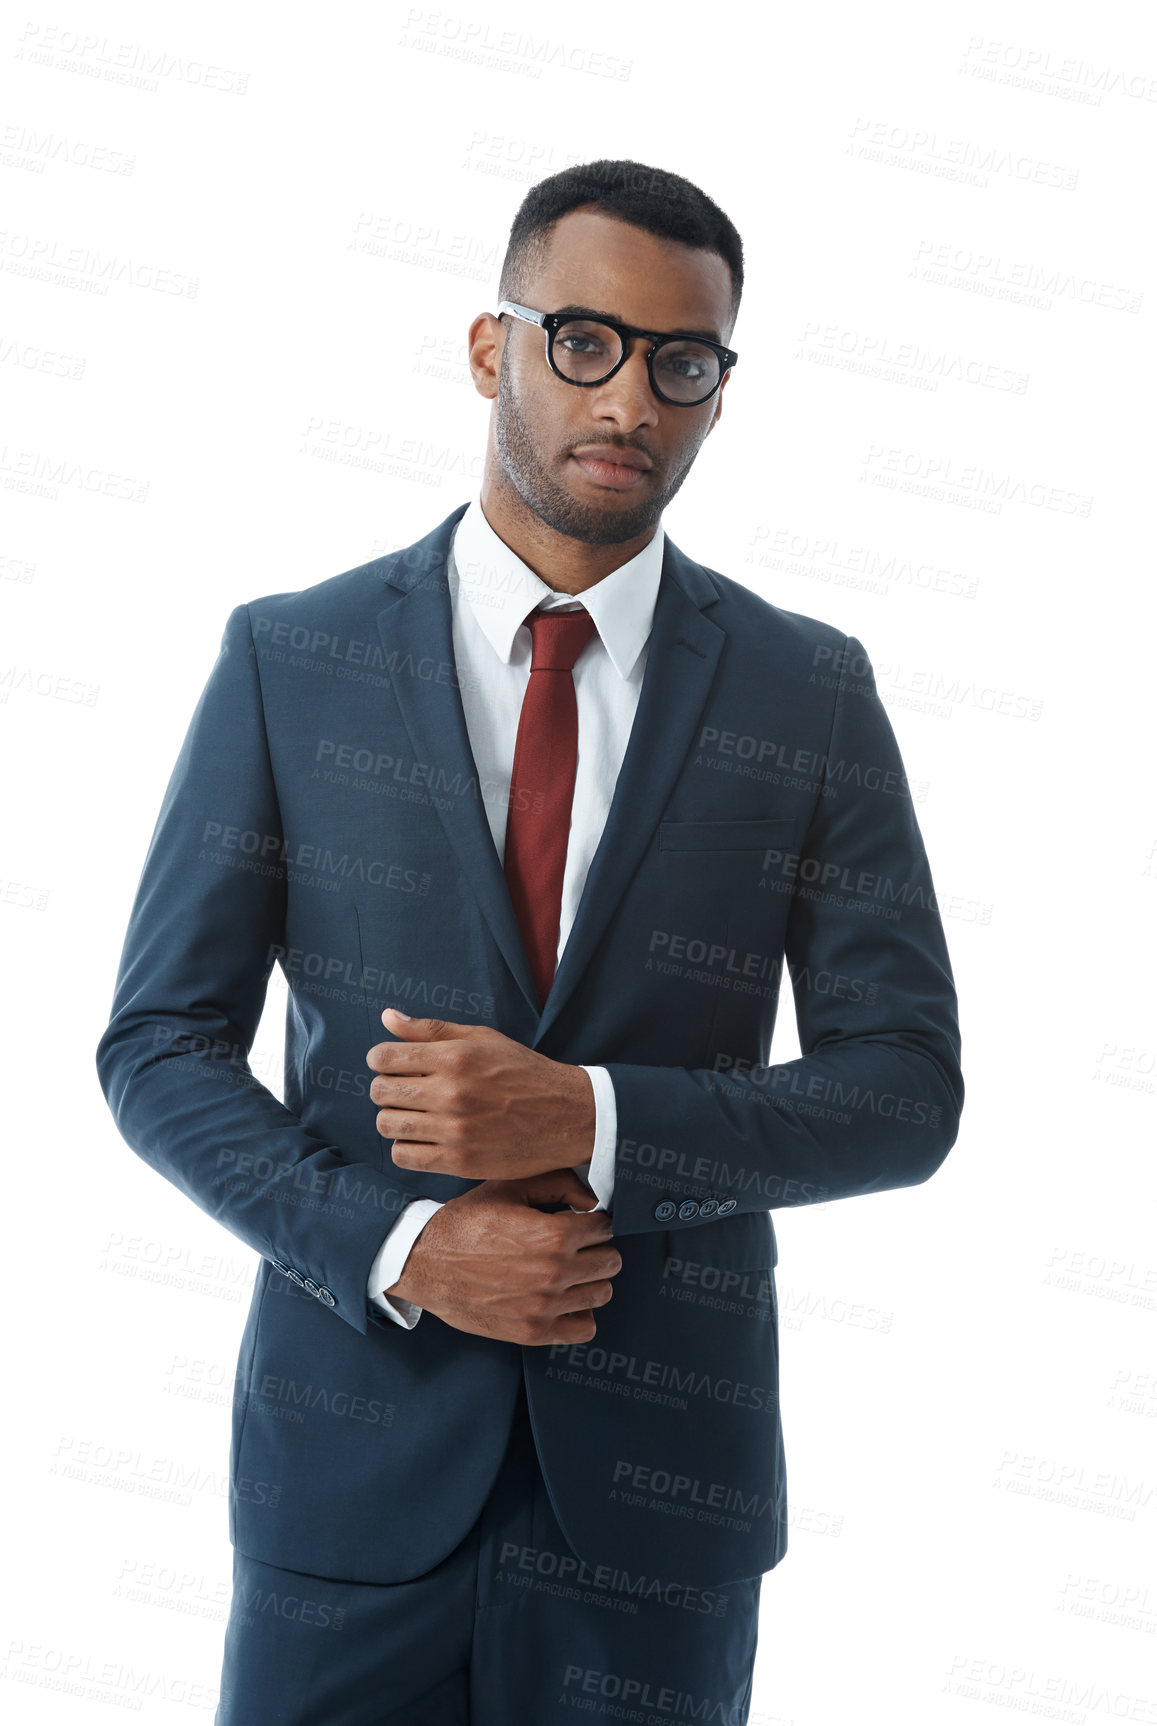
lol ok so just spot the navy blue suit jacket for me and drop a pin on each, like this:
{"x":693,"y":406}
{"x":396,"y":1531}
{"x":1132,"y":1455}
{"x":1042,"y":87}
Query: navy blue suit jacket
{"x":324,"y":816}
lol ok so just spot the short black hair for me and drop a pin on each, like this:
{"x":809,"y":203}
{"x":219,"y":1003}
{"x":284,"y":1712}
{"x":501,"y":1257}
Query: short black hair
{"x":651,"y":198}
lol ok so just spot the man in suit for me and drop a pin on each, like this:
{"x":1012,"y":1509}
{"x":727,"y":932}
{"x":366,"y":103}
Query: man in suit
{"x":506,"y":1433}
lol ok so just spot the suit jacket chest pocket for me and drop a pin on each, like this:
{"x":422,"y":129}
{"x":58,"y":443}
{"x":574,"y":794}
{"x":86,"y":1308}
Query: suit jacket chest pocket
{"x":728,"y":884}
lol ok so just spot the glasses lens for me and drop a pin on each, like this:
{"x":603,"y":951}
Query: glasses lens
{"x":586,"y":351}
{"x":686,"y":371}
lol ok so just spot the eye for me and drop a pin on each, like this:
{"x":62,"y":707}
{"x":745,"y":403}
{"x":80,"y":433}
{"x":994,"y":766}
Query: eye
{"x":679,"y":363}
{"x":575,"y":344}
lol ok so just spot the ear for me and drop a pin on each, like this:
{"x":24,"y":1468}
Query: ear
{"x":485,"y":342}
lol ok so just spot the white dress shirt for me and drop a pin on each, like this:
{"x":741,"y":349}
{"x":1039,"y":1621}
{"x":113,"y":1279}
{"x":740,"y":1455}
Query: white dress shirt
{"x":491,"y":592}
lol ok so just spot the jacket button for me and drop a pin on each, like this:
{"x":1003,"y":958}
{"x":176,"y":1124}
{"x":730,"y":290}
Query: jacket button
{"x":726,"y":1206}
{"x":327,"y":1296}
{"x":664,"y":1210}
{"x":295,"y":1277}
{"x":278,"y":1266}
{"x":311,"y":1286}
{"x":689,"y":1208}
{"x":708,"y":1207}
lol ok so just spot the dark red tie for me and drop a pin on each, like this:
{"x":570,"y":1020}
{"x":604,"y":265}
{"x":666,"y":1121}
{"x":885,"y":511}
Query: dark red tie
{"x":542,"y":786}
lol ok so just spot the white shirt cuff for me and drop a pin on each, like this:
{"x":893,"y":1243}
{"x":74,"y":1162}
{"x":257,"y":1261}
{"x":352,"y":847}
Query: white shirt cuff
{"x":391,"y":1258}
{"x":599,"y":1172}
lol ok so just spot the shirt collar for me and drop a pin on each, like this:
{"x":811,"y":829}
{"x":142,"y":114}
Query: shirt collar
{"x":500,"y":589}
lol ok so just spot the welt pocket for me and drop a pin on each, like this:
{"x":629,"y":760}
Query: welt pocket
{"x":761,"y":834}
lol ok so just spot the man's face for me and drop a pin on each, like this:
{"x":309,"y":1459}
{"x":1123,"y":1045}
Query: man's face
{"x":541,"y":420}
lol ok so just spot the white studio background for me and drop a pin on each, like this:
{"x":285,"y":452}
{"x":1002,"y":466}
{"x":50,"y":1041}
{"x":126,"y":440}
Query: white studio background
{"x":239,"y":254}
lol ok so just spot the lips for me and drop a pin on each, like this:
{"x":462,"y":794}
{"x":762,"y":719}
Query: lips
{"x":619,"y":470}
{"x":611,"y":456}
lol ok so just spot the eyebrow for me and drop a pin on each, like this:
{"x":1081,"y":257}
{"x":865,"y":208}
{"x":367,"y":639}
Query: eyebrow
{"x":594,"y":312}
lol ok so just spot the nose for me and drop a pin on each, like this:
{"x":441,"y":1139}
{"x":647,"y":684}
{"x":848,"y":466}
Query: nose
{"x":628,"y":397}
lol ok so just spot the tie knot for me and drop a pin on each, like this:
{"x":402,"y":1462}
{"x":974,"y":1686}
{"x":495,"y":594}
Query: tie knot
{"x":559,"y":637}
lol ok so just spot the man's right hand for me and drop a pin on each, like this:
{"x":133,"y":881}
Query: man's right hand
{"x":491,"y":1263}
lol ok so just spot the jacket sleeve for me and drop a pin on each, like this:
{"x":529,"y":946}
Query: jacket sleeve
{"x":173,"y":1062}
{"x":874,"y":1100}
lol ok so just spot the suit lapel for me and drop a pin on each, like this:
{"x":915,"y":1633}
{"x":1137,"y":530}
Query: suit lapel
{"x":417,"y":632}
{"x":681,"y":659}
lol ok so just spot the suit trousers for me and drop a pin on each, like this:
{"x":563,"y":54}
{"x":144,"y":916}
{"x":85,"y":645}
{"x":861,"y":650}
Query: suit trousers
{"x":509,"y":1629}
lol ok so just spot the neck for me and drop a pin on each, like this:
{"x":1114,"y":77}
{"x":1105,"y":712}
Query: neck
{"x":563,"y":564}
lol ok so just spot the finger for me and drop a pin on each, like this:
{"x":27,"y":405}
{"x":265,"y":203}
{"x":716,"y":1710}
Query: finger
{"x":425,"y":1155}
{"x":582,"y":1229}
{"x":571,"y":1328}
{"x":421,"y":1030}
{"x":589,"y":1294}
{"x":425,"y":1030}
{"x":597,"y":1263}
{"x":402,"y":1058}
{"x":406,"y":1128}
{"x":403,"y":1090}
{"x":561,"y":1185}
{"x":398,"y":1121}
{"x":434,"y":1030}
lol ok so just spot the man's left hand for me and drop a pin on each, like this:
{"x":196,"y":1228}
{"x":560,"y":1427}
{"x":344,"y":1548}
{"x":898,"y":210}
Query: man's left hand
{"x":466,"y":1100}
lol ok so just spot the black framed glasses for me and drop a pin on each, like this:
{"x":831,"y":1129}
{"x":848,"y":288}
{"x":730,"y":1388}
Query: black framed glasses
{"x":586,"y":350}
